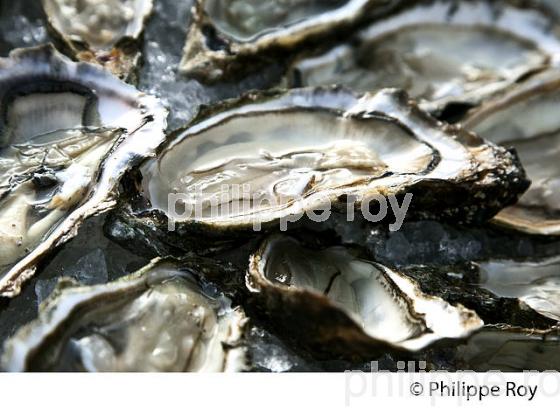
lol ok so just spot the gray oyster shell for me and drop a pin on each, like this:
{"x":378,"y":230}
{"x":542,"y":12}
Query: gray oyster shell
{"x":511,"y":349}
{"x":336,"y":303}
{"x":534,"y":283}
{"x":250,"y":163}
{"x":526,"y":118}
{"x":68,"y":132}
{"x":445,"y":54}
{"x":228,"y":37}
{"x":106,"y":33}
{"x":157,"y":319}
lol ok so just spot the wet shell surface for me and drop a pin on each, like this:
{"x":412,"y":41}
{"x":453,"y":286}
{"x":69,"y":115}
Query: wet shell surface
{"x":158,"y":319}
{"x":448,"y":55}
{"x":510,"y":349}
{"x":106,"y":33}
{"x":338,"y":303}
{"x":228,"y":37}
{"x":526,"y":118}
{"x":268,"y":159}
{"x":68,"y":132}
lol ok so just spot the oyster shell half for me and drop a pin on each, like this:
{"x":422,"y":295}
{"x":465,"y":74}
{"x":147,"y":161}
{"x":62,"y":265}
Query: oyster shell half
{"x":505,"y":348}
{"x":338,"y":303}
{"x":445,"y":54}
{"x":536,"y":284}
{"x":104,"y":32}
{"x":225,"y":36}
{"x":158,"y":319}
{"x":527,"y":118}
{"x":268,"y":159}
{"x":68,"y":131}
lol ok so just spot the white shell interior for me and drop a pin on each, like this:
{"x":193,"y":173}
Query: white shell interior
{"x":439,"y":52}
{"x":261,"y":163}
{"x":387,"y":305}
{"x":247,"y":19}
{"x":160,"y":321}
{"x":98,"y":23}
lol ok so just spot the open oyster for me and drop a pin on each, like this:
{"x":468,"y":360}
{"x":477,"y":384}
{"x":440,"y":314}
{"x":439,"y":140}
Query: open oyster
{"x":504,"y":348}
{"x":68,"y":131}
{"x":339,"y":303}
{"x":500,"y":292}
{"x":226,"y":36}
{"x":271,"y":159}
{"x":158,"y":319}
{"x":536,"y":284}
{"x":104,"y":32}
{"x":526,"y":118}
{"x":448,"y":55}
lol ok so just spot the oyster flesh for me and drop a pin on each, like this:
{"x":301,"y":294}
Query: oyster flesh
{"x":268,"y":159}
{"x":103,"y":32}
{"x":68,"y":131}
{"x":348,"y":305}
{"x":157,"y":319}
{"x":448,"y":55}
{"x":526,"y":118}
{"x":227,"y":36}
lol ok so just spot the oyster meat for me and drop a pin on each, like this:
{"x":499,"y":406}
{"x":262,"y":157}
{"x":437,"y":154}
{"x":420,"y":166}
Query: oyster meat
{"x":526,"y":118}
{"x":157,"y":319}
{"x":448,"y":55}
{"x":347,"y":305}
{"x":68,"y":131}
{"x":267,"y":159}
{"x":226,"y":37}
{"x":105,"y":32}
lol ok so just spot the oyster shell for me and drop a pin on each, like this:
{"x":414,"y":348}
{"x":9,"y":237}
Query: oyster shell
{"x":504,"y":348}
{"x":349,"y":306}
{"x":158,"y":319}
{"x":225,"y":37}
{"x":478,"y":287}
{"x":536,"y":284}
{"x":447,"y":55}
{"x":526,"y":118}
{"x":267,"y":159}
{"x":104,"y":32}
{"x":68,"y":131}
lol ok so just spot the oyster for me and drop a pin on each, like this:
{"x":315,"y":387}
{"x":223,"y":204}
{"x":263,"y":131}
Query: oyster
{"x":448,"y":55}
{"x":347,"y":305}
{"x":500,"y":292}
{"x":536,"y":284}
{"x":157,"y":319}
{"x":526,"y":118}
{"x":104,"y":32}
{"x":226,"y":36}
{"x":68,"y":131}
{"x":504,"y":348}
{"x":268,"y":160}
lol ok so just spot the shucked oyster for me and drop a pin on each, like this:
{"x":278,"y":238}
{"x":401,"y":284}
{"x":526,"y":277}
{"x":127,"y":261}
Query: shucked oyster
{"x":68,"y":131}
{"x":445,"y":54}
{"x":527,"y":119}
{"x":224,"y":35}
{"x":105,"y":32}
{"x":336,"y":302}
{"x":267,"y":159}
{"x":158,"y":319}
